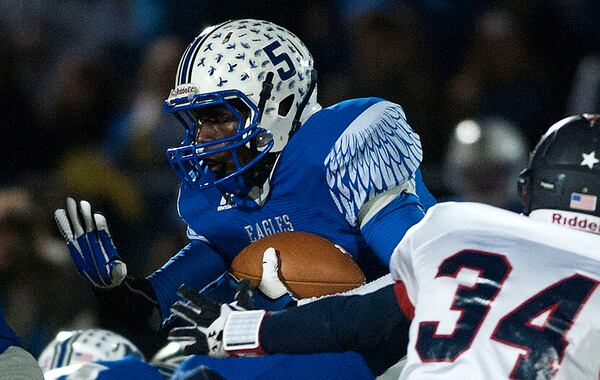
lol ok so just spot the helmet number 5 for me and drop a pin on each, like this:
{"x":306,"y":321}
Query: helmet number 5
{"x":276,"y":59}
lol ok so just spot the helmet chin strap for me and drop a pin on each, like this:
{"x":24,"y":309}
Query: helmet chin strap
{"x":260,"y":174}
{"x":311,"y":88}
{"x":239,"y":186}
{"x":235,"y":186}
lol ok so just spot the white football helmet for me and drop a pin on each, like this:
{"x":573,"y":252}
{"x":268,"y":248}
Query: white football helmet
{"x":80,"y":346}
{"x":256,"y":62}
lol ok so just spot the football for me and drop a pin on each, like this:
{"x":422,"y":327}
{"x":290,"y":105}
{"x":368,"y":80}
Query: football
{"x":309,"y":265}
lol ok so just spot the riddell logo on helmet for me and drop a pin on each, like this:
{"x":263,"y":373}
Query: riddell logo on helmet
{"x":184,"y":90}
{"x":581,"y":222}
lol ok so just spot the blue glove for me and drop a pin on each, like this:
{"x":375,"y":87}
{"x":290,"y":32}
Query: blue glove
{"x":93,"y":251}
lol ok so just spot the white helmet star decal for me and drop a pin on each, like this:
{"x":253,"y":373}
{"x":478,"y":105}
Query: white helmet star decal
{"x":589,"y":159}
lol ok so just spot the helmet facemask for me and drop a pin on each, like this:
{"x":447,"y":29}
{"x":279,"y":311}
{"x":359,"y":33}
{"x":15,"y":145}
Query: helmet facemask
{"x":248,"y":144}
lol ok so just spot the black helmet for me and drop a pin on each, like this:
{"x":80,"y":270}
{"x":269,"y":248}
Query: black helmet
{"x":564,"y":168}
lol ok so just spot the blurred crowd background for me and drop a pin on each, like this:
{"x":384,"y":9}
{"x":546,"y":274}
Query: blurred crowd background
{"x":82,"y":84}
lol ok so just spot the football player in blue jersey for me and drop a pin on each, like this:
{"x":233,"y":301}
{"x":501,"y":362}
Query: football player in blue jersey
{"x":94,"y":354}
{"x":97,"y":354}
{"x":260,"y":156}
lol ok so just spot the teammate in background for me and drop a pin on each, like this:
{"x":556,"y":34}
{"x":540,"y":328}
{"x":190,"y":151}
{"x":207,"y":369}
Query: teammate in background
{"x":96,"y":354}
{"x":15,"y":362}
{"x":259,"y":156}
{"x":482,"y":293}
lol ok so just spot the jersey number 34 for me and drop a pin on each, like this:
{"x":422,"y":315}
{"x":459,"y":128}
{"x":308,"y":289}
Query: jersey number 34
{"x":544,"y":345}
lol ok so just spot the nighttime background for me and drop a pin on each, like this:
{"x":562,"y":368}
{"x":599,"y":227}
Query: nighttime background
{"x":82,"y":84}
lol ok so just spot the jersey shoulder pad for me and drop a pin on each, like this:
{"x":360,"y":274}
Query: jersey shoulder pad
{"x":451,"y":217}
{"x":314,"y":140}
{"x":375,"y":152}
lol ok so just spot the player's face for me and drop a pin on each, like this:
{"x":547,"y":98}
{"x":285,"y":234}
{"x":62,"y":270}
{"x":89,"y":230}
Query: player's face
{"x":216,"y":123}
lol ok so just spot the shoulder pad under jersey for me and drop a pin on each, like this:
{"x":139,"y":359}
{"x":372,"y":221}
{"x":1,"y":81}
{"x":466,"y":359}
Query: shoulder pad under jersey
{"x":376,"y":152}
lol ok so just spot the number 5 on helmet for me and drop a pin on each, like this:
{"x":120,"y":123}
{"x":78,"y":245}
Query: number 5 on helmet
{"x":92,"y":250}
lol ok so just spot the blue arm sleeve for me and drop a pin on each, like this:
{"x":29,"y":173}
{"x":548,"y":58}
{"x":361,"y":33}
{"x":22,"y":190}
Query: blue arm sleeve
{"x":427,"y":200}
{"x":372,"y":325}
{"x":386,"y":228}
{"x":7,"y":335}
{"x":196,"y":265}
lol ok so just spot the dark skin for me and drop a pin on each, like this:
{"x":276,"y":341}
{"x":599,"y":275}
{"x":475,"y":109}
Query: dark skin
{"x":218,"y":122}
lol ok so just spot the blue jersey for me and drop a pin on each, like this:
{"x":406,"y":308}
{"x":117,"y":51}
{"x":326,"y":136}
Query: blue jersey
{"x":343,"y":157}
{"x":347,"y":365}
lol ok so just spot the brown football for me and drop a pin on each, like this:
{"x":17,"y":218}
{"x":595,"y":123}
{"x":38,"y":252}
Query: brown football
{"x":309,"y":265}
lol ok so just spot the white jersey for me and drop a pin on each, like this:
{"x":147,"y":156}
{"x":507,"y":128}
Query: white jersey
{"x":497,"y":295}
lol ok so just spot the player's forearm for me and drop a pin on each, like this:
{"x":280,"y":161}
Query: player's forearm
{"x":196,"y":265}
{"x":133,"y":304}
{"x":372,"y":325}
{"x":143,"y":304}
{"x":369,"y":287}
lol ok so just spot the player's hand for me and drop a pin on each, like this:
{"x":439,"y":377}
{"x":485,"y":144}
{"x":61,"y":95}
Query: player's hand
{"x":214,"y":328}
{"x":272,"y":294}
{"x":270,"y":283}
{"x":92,"y":249}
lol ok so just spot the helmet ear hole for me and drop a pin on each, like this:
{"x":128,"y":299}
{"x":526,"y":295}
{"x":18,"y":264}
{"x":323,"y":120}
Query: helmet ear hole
{"x":285,"y":105}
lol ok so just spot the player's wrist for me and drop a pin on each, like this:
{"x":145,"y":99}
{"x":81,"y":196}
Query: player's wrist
{"x":241,"y":334}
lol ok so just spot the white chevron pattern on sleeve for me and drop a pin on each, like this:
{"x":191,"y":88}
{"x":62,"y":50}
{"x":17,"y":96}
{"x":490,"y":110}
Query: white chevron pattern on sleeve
{"x":377,"y":151}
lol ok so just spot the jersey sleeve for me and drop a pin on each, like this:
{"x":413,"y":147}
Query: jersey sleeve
{"x":196,"y":265}
{"x":387,"y":227}
{"x":373,"y":325}
{"x":377,"y":152}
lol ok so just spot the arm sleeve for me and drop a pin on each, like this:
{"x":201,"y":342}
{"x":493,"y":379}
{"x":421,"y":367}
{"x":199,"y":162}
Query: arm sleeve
{"x":427,"y":200}
{"x":372,"y":325}
{"x":196,"y":265}
{"x":385,"y":229}
{"x":132,"y":304}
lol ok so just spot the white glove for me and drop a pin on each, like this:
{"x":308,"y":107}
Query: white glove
{"x":93,"y":251}
{"x":270,"y":283}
